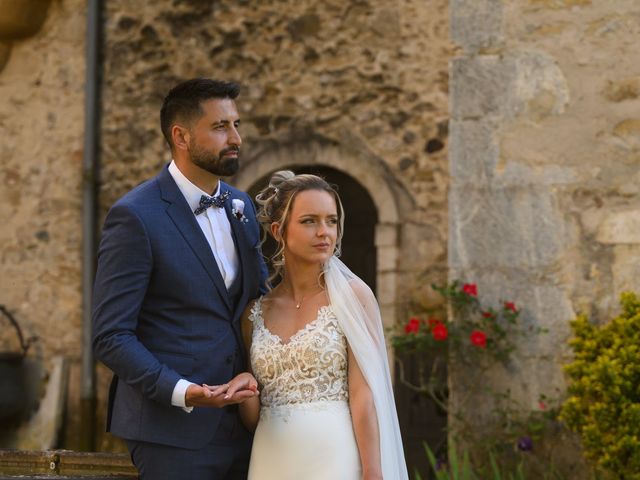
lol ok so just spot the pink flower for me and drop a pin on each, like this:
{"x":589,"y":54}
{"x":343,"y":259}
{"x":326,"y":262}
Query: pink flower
{"x":478,"y":338}
{"x":470,"y":289}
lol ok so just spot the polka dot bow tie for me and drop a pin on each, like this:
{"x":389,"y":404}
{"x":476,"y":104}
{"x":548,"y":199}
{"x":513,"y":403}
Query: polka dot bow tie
{"x":206,"y":202}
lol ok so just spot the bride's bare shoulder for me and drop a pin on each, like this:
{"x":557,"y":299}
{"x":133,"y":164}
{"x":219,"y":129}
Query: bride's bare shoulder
{"x":361,"y":289}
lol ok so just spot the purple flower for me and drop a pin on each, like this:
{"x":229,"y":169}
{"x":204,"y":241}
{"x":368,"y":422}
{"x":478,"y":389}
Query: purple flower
{"x":525,"y":444}
{"x":441,"y":464}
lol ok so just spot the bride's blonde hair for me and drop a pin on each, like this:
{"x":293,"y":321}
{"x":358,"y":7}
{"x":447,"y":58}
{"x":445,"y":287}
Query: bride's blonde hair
{"x":276,"y":200}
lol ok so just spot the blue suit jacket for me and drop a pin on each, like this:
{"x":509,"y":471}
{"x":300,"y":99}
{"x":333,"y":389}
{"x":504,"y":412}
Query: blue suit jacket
{"x":161,"y":311}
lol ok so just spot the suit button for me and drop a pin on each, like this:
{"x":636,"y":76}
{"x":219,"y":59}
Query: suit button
{"x":229,"y":359}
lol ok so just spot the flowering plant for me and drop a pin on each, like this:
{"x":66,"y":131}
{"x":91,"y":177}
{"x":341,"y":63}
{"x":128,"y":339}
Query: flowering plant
{"x":478,"y":328}
{"x":468,"y":332}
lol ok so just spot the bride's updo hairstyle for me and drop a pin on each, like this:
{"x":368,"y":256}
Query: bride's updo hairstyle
{"x":275,"y":203}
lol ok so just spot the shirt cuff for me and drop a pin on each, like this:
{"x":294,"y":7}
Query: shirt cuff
{"x":179,"y":394}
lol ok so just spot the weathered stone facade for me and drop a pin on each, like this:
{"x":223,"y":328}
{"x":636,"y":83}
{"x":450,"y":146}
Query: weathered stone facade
{"x":543,"y":197}
{"x":545,"y":165}
{"x":41,"y":135}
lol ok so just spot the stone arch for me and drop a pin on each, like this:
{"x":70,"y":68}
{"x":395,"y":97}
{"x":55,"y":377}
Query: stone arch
{"x":372,"y":173}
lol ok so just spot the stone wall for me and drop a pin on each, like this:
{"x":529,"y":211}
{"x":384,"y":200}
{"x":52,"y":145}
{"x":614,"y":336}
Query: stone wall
{"x":41,"y":136}
{"x":545,"y":165}
{"x":358,"y":86}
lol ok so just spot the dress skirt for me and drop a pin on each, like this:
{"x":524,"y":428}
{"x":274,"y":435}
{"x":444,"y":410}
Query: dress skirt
{"x":310,"y":441}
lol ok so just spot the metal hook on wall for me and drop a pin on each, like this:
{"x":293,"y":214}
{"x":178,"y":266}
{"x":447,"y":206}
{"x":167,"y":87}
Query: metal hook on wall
{"x":24,"y":343}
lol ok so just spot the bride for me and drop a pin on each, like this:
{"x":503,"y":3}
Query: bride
{"x":317,"y":351}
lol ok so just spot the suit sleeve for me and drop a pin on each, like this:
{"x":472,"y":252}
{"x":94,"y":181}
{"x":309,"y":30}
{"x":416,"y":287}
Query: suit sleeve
{"x":124,"y":269}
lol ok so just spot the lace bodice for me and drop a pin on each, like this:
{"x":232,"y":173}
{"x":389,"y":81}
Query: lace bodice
{"x":310,"y":367}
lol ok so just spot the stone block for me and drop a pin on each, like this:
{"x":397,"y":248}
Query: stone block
{"x":621,"y":227}
{"x":628,"y":131}
{"x":626,"y":269}
{"x":478,"y":86}
{"x":387,"y":259}
{"x":386,"y":287}
{"x":473,"y":151}
{"x":386,"y":235}
{"x":476,"y":24}
{"x":509,"y":227}
{"x":520,"y":82}
{"x":388,"y":315}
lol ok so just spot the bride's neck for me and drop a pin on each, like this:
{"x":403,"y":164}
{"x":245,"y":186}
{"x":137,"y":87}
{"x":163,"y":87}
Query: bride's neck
{"x":300,"y":281}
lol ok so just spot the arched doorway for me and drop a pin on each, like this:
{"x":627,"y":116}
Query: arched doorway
{"x":361,"y":217}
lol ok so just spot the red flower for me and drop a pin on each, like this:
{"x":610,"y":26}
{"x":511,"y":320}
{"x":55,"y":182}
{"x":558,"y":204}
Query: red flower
{"x":542,"y":405}
{"x":510,"y":306}
{"x":440,"y":332}
{"x":478,"y":338}
{"x":433,"y":322}
{"x":487,"y":315}
{"x":470,"y":289}
{"x":412,"y":326}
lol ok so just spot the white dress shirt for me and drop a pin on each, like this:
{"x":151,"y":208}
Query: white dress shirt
{"x":217,"y":230}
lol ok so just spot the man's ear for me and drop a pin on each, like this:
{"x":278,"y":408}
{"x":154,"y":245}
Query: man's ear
{"x":180,"y":136}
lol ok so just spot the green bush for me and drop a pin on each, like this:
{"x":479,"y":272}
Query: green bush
{"x":604,"y":390}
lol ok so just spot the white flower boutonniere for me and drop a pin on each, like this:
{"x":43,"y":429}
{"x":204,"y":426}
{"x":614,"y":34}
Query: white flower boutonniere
{"x":237,"y":209}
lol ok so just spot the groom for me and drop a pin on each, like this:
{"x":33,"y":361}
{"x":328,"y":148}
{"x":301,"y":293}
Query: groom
{"x":178,"y":261}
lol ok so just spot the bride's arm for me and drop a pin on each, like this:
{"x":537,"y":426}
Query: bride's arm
{"x":365,"y":423}
{"x":250,"y":408}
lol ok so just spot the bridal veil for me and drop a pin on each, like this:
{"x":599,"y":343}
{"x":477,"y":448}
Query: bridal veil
{"x":358,"y":313}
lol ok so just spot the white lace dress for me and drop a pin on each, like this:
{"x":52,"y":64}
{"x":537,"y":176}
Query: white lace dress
{"x":305,"y":430}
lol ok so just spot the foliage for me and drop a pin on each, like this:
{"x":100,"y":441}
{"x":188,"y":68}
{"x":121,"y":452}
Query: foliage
{"x":476,"y":337}
{"x":477,"y":330}
{"x":458,"y":467}
{"x":471,"y":334}
{"x":604,"y":391}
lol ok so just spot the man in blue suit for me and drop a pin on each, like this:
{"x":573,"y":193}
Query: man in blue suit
{"x":178,"y":261}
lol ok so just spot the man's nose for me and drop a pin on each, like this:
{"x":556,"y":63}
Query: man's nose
{"x":234,"y":137}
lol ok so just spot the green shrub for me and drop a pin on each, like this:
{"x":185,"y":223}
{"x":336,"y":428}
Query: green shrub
{"x":604,"y":390}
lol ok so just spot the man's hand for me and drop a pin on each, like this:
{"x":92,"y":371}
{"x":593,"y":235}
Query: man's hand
{"x":240,"y":388}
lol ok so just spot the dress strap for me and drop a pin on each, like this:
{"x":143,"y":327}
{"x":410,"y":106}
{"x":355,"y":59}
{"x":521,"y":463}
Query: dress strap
{"x":256,"y":311}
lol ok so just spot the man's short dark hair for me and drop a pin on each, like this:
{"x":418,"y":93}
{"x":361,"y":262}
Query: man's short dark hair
{"x":183,"y":102}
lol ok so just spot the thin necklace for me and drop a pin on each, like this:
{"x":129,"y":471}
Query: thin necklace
{"x":299,"y":304}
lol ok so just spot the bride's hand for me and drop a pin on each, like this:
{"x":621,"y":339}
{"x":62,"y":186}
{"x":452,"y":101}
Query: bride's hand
{"x":237,"y":390}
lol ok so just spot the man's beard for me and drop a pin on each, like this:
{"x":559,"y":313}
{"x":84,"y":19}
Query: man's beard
{"x":218,"y":165}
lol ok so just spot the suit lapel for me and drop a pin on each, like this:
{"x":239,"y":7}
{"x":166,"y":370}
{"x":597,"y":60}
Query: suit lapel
{"x":186,"y":223}
{"x":242,"y":245}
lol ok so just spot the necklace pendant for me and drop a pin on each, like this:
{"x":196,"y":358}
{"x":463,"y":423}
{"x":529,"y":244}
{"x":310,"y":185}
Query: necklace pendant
{"x":298,"y":306}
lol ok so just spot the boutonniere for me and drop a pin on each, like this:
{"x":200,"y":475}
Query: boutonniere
{"x":237,"y":209}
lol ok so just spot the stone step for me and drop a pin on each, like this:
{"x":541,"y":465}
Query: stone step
{"x":65,"y":464}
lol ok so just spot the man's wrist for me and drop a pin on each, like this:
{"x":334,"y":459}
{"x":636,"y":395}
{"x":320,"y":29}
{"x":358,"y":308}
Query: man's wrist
{"x":179,"y":395}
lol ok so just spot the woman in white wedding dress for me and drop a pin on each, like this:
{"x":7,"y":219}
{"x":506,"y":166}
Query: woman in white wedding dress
{"x":317,"y":351}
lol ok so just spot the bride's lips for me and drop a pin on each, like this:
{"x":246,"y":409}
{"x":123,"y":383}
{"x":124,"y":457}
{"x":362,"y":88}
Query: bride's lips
{"x":321,"y":246}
